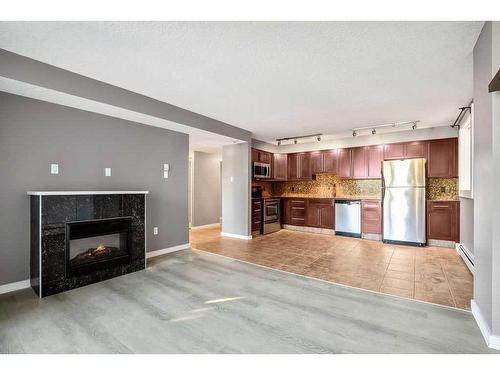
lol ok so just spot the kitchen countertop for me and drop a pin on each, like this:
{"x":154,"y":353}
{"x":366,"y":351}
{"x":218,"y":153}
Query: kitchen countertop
{"x":316,"y":197}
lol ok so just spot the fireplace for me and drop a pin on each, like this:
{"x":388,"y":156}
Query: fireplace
{"x":96,"y":244}
{"x":84,"y":237}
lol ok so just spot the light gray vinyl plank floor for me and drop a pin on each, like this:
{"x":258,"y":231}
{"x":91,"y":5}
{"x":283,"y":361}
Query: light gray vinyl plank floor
{"x":196,"y":302}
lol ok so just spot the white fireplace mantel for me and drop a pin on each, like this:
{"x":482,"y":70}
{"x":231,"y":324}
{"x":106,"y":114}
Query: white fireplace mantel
{"x":86,"y":192}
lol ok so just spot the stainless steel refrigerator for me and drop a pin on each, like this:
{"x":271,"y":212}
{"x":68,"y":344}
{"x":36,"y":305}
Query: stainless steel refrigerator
{"x":403,"y":201}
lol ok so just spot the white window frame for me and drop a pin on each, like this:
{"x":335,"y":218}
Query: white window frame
{"x":466,"y":156}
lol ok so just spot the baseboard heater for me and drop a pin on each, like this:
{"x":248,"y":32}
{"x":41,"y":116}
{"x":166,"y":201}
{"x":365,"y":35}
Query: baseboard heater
{"x":467,"y":256}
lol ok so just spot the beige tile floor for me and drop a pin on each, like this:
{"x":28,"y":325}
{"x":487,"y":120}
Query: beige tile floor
{"x":429,"y":274}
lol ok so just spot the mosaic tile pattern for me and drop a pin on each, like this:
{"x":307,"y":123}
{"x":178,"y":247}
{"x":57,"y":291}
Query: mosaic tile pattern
{"x":436,"y":185}
{"x":324,"y":186}
{"x":329,"y":186}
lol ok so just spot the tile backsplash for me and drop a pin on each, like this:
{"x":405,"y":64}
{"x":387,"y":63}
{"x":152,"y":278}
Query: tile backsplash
{"x":442,"y":189}
{"x":330,"y":185}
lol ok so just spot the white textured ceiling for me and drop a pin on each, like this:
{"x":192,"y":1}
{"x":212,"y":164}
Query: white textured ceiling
{"x":276,"y":79}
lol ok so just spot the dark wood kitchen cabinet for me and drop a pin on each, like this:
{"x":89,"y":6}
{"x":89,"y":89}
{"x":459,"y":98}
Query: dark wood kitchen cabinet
{"x":371,"y":216}
{"x":443,"y":220}
{"x":299,"y":166}
{"x":375,"y":156}
{"x":294,"y":211}
{"x":394,"y":151}
{"x":317,"y":162}
{"x":320,"y":213}
{"x":330,"y":159}
{"x":280,"y":171}
{"x":344,"y":169}
{"x":256,"y":214}
{"x":260,"y":156}
{"x":443,"y":158}
{"x":359,"y":162}
{"x":416,"y":149}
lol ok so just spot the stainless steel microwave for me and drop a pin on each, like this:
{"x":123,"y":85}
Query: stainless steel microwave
{"x":261,"y":170}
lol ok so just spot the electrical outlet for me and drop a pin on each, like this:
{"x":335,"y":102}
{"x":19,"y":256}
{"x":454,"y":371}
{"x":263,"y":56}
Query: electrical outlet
{"x":443,"y":189}
{"x":54,"y":168}
{"x":107,"y":171}
{"x":155,"y":231}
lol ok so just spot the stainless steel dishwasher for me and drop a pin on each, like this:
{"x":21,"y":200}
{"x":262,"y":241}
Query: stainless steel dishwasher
{"x":348,"y":218}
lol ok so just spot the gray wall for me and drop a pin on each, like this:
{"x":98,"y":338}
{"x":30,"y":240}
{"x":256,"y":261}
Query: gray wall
{"x":236,"y":189}
{"x":495,"y":255}
{"x":467,"y":223}
{"x":34,"y":133}
{"x":483,"y":178}
{"x":206,"y":189}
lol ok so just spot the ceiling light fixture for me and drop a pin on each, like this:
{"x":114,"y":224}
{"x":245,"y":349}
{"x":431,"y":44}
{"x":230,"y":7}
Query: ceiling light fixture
{"x":295,"y":139}
{"x":391,"y":125}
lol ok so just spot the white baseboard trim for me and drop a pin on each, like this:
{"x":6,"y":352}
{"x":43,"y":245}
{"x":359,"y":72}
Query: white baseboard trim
{"x":239,"y":236}
{"x":206,"y":226}
{"x":466,"y":255}
{"x":493,"y":341}
{"x":6,"y":288}
{"x":156,"y":253}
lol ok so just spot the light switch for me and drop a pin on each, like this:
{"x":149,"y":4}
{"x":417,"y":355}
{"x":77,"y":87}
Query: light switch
{"x":107,"y":171}
{"x":231,"y":179}
{"x":155,"y":230}
{"x":166,"y":169}
{"x":54,"y":168}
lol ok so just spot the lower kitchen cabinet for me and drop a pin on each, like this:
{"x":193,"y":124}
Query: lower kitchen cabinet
{"x":293,"y":211}
{"x":443,"y":220}
{"x":256,"y":214}
{"x":371,"y":216}
{"x":320,"y":213}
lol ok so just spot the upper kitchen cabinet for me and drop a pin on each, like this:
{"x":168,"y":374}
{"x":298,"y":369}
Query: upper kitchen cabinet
{"x":344,"y":169}
{"x":317,"y":162}
{"x":416,"y":149}
{"x":330,"y":161}
{"x":359,"y":162}
{"x":375,"y":155}
{"x":442,"y":158}
{"x":305,"y":166}
{"x":299,"y":166}
{"x":394,"y":151}
{"x":260,"y":156}
{"x":280,"y":163}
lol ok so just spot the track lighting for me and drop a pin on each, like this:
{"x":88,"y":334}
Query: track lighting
{"x":296,"y":138}
{"x":374,"y":132}
{"x":354,"y":133}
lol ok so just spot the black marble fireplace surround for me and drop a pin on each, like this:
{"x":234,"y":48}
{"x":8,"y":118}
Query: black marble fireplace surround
{"x":80,"y":239}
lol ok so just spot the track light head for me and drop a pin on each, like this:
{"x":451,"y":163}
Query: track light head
{"x":374,"y":132}
{"x":279,"y":143}
{"x":318,"y":138}
{"x":414,"y":126}
{"x":295,"y":141}
{"x":354,"y":133}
